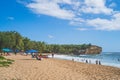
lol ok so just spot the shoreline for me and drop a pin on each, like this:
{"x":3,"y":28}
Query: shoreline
{"x":26,"y":68}
{"x":86,"y":60}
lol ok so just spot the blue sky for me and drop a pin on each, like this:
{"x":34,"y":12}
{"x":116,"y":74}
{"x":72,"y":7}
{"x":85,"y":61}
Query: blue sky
{"x":64,"y":21}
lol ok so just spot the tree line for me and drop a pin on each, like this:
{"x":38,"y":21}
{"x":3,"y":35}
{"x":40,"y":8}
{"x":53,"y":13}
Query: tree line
{"x":15,"y":41}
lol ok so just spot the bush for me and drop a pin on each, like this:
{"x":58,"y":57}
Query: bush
{"x":5,"y":62}
{"x":2,"y":58}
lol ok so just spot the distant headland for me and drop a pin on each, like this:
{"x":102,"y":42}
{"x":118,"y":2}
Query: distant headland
{"x":92,"y":49}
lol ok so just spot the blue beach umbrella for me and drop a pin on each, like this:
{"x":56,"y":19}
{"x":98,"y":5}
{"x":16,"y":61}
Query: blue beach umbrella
{"x":6,"y":50}
{"x":31,"y":51}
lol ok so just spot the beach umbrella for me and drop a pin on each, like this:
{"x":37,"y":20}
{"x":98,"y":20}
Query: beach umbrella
{"x":6,"y":50}
{"x":31,"y":51}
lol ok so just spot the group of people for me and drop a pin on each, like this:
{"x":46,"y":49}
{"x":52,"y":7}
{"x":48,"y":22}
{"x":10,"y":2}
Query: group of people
{"x":98,"y":62}
{"x":40,"y":56}
{"x":5,"y":54}
{"x":37,"y":56}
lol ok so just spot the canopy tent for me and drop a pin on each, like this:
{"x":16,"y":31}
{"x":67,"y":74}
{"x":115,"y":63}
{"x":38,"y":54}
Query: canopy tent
{"x":6,"y":50}
{"x":31,"y":51}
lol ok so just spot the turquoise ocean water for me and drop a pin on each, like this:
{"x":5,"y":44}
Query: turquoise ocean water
{"x":106,"y":58}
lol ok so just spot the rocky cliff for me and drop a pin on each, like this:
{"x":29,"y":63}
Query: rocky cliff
{"x":93,"y":50}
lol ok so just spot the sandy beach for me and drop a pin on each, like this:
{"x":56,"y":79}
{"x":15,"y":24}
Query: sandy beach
{"x":26,"y":68}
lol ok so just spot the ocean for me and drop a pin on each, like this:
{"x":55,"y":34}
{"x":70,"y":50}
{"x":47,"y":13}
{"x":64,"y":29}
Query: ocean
{"x":105,"y":58}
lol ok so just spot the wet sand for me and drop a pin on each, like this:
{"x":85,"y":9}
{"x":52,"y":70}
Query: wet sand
{"x":27,"y":68}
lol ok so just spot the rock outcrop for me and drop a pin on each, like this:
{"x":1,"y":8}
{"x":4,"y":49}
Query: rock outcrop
{"x":93,"y":50}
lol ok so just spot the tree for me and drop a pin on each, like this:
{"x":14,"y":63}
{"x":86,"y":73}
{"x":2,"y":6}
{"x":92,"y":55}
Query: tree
{"x":15,"y":41}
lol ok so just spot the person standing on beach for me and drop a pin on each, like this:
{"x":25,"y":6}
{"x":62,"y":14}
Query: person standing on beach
{"x":96,"y":61}
{"x":99,"y":62}
{"x":90,"y":61}
{"x":86,"y":61}
{"x":52,"y":55}
{"x":15,"y":53}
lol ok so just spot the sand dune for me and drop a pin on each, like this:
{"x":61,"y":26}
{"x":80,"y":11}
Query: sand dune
{"x":26,"y":68}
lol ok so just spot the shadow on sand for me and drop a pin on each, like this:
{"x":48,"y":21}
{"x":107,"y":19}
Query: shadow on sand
{"x":27,"y":59}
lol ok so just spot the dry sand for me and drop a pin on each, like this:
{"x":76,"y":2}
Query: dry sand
{"x":26,"y":68}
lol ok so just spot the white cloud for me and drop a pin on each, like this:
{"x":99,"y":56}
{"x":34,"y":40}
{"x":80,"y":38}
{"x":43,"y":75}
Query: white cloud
{"x":51,"y":8}
{"x":96,"y":7}
{"x":50,"y":36}
{"x":76,"y":12}
{"x":112,"y":5}
{"x":77,"y":21}
{"x":76,"y":7}
{"x":10,"y":18}
{"x":21,"y":2}
{"x":105,"y":24}
{"x":81,"y":29}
